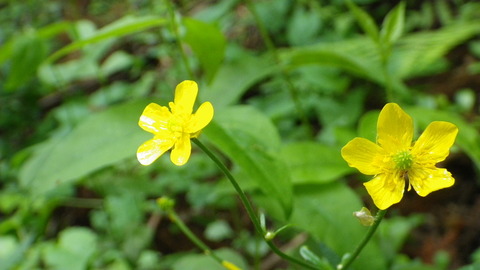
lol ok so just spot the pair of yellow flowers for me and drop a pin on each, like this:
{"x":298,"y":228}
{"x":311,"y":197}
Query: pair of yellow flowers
{"x":394,"y":160}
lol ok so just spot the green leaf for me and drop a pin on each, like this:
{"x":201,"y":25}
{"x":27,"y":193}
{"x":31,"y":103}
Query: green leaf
{"x":29,"y":51}
{"x":73,"y":250}
{"x":359,"y":56}
{"x":100,"y":140}
{"x":250,"y":139}
{"x":325,"y":212}
{"x":311,"y":162}
{"x":235,"y":77}
{"x":393,"y":24}
{"x":308,"y":255}
{"x":414,"y":54}
{"x":303,"y":27}
{"x":122,"y":27}
{"x":365,"y":20}
{"x":208,"y":44}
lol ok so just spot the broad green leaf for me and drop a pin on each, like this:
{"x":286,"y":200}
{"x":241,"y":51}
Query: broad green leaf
{"x":122,"y":27}
{"x":29,"y":51}
{"x":208,"y":44}
{"x":73,"y":250}
{"x":47,"y":32}
{"x":252,"y":142}
{"x":202,"y":261}
{"x":325,"y":211}
{"x":235,"y":77}
{"x":311,"y":162}
{"x":365,"y":20}
{"x":100,"y":140}
{"x":393,"y":24}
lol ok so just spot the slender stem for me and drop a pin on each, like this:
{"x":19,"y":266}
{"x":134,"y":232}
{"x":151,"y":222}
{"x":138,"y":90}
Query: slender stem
{"x":238,"y":189}
{"x":273,"y":50}
{"x":174,"y":28}
{"x":185,"y":230}
{"x":248,"y":206}
{"x":366,"y":239}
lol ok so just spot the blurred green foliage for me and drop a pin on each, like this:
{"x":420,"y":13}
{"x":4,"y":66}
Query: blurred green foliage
{"x":76,"y":75}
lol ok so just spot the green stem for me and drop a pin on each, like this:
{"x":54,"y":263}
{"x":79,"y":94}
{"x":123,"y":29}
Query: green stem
{"x":174,"y":28}
{"x":248,"y":206}
{"x":185,"y":230}
{"x":366,"y":239}
{"x":273,"y":50}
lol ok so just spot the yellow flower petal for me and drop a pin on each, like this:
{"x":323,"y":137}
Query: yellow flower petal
{"x":152,"y":149}
{"x":154,"y":118}
{"x":425,"y":180}
{"x":201,"y":118}
{"x":386,"y":189}
{"x":394,"y":129}
{"x":434,"y":144}
{"x":364,"y":155}
{"x":181,"y":150}
{"x":185,"y":95}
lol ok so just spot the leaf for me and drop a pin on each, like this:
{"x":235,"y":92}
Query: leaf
{"x":303,"y":27}
{"x":412,"y":55}
{"x":393,"y":24}
{"x":366,"y":22}
{"x":308,"y":255}
{"x":29,"y":51}
{"x":359,"y":56}
{"x":325,"y":212}
{"x":122,"y":27}
{"x":208,"y":44}
{"x":249,"y":138}
{"x":235,"y":77}
{"x":73,"y":250}
{"x":311,"y":162}
{"x":100,"y":140}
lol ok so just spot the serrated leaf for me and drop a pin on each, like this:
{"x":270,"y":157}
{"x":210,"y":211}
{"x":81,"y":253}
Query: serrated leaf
{"x":249,"y":138}
{"x":208,"y":44}
{"x":393,"y":24}
{"x":101,"y":139}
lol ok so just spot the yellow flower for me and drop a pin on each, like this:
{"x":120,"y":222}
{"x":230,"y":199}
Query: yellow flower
{"x":173,"y":128}
{"x":394,"y":159}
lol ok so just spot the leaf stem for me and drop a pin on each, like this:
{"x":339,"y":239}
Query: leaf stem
{"x":248,"y":206}
{"x":378,"y":218}
{"x":174,"y":29}
{"x":185,"y":230}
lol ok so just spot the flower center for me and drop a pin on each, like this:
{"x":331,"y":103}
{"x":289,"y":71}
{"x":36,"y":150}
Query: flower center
{"x":403,"y":160}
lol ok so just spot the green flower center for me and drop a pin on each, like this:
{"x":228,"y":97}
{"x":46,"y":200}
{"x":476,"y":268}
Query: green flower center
{"x":403,"y":160}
